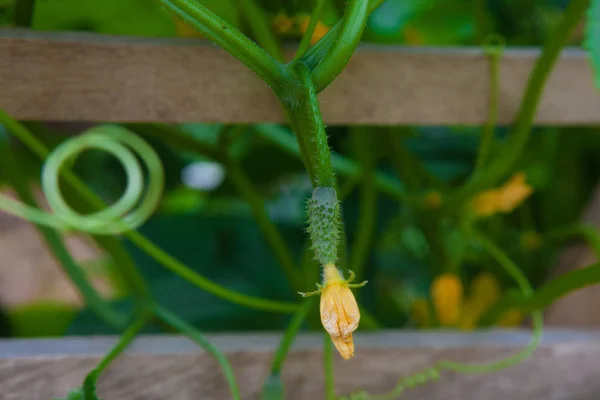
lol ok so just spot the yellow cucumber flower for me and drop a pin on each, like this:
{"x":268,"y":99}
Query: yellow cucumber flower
{"x":339,"y":311}
{"x":452,"y":310}
{"x":447,"y":295}
{"x":503,"y":199}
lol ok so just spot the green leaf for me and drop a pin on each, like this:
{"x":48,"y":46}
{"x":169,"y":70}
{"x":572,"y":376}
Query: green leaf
{"x":592,"y":38}
{"x":423,"y":22}
{"x":119,"y":17}
{"x":41,"y":319}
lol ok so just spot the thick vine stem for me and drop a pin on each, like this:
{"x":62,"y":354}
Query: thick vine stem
{"x":347,"y":39}
{"x":504,"y":162}
{"x":310,"y":130}
{"x":232,"y":40}
{"x":318,"y":52}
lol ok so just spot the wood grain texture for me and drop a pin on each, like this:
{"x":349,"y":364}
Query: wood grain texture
{"x":157,"y":368}
{"x":86,"y":77}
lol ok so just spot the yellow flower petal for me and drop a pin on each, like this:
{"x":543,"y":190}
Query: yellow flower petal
{"x":447,"y":295}
{"x":485,"y":291}
{"x":339,"y":311}
{"x":503,"y":199}
{"x":345,"y":346}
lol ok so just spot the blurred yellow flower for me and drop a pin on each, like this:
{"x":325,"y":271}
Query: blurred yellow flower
{"x":503,"y":199}
{"x":320,"y":29}
{"x":447,"y":295}
{"x":452,"y":311}
{"x":282,"y":23}
{"x":339,"y":311}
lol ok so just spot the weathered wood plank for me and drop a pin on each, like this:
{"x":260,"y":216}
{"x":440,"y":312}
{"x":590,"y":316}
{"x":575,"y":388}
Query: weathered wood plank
{"x":65,"y":76}
{"x":566,"y":368}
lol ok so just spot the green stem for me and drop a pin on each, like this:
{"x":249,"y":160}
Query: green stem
{"x":346,"y":41}
{"x":545,"y":296}
{"x":290,"y":334}
{"x":23,"y":13}
{"x":205,"y":284}
{"x":504,"y":162}
{"x":367,"y":214}
{"x":557,"y":288}
{"x":316,"y":53}
{"x":588,"y":232}
{"x":124,"y":341}
{"x":487,"y":135}
{"x":230,"y":39}
{"x":272,"y":234}
{"x":328,"y":366}
{"x":346,"y":167}
{"x":55,"y":243}
{"x":310,"y":29}
{"x":302,"y":145}
{"x":141,"y":241}
{"x":197,"y":337}
{"x":311,"y":129}
{"x":260,"y":27}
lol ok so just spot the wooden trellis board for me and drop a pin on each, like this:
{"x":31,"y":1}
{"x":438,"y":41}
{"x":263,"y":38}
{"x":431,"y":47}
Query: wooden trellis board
{"x":88,"y":77}
{"x":158,"y":368}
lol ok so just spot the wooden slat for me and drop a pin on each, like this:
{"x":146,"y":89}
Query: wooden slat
{"x":566,"y":368}
{"x":63,"y":76}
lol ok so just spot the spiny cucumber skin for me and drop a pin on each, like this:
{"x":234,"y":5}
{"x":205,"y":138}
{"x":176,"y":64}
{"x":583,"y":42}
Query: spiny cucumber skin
{"x":323,"y":224}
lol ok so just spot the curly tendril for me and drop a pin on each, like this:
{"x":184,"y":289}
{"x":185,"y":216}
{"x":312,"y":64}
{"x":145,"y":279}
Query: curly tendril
{"x":115,"y":219}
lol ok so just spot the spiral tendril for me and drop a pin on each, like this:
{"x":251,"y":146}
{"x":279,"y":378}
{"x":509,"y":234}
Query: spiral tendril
{"x":116,"y":218}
